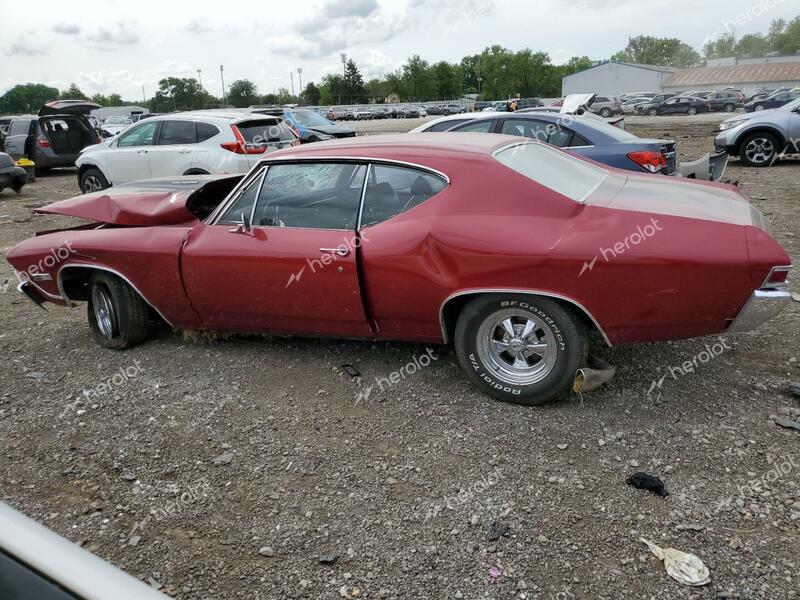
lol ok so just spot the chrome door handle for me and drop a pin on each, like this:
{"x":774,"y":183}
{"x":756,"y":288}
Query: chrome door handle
{"x":341,"y":251}
{"x":184,"y":151}
{"x":141,"y":152}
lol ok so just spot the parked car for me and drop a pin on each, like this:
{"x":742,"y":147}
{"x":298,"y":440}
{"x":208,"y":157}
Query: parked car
{"x":679,"y":105}
{"x":654,"y":100}
{"x":190,"y":143}
{"x":452,"y":109}
{"x":606,"y":106}
{"x":378,"y":112}
{"x":629,"y":106}
{"x":410,"y":112}
{"x":53,"y":138}
{"x":11,"y":176}
{"x":38,"y":564}
{"x":441,"y":264}
{"x":628,"y":96}
{"x":362,"y":114}
{"x":313,"y":127}
{"x":592,"y":138}
{"x":5,"y":123}
{"x":112,"y":125}
{"x":449,"y":122}
{"x":724,"y":101}
{"x":759,"y":138}
{"x":775,"y":100}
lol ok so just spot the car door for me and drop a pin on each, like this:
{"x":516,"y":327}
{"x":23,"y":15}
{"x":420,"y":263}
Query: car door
{"x":293,"y":270}
{"x":128,"y":158}
{"x":793,"y":127}
{"x":17,"y":141}
{"x":174,"y":150}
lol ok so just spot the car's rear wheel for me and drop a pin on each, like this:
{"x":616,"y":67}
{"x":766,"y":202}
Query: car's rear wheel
{"x":605,"y":113}
{"x":692,"y":111}
{"x":118,"y":317}
{"x":730,"y":107}
{"x":93,"y":180}
{"x":759,"y":149}
{"x":652,"y":112}
{"x":520,"y":349}
{"x":759,"y":107}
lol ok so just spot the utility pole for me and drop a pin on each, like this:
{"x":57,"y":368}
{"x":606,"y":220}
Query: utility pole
{"x":200,"y":77}
{"x":291,"y":74}
{"x":144,"y":98}
{"x":222,"y":78}
{"x":344,"y":64}
{"x":300,"y":75}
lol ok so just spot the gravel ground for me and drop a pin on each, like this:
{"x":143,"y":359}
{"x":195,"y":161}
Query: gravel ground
{"x":251,"y":468}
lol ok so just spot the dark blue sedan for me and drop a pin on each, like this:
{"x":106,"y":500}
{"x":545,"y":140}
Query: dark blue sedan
{"x":583,"y":135}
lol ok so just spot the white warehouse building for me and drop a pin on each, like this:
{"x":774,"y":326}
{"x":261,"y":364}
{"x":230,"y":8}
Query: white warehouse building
{"x":613,"y":78}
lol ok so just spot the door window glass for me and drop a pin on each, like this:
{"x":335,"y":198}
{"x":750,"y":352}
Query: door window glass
{"x":393,"y":190}
{"x":244,"y":202}
{"x":141,"y":135}
{"x":176,"y":132}
{"x":311,"y":195}
{"x":482,"y":127}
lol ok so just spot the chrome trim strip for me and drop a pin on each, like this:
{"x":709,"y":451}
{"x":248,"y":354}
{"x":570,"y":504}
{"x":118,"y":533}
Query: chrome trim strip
{"x":109,"y":270}
{"x":42,"y":291}
{"x":389,"y":161}
{"x":21,"y":291}
{"x":518,"y":291}
{"x":258,"y":195}
{"x":363,"y":196}
{"x":784,"y":269}
{"x":234,"y":192}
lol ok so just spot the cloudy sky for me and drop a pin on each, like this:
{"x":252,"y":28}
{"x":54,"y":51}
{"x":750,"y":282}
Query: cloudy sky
{"x":115,"y":46}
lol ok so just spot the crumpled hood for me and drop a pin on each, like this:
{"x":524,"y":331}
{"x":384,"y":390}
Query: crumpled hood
{"x":334,"y":130}
{"x":167,"y":201}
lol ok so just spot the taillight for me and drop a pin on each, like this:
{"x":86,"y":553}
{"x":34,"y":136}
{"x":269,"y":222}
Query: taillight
{"x":777,"y":277}
{"x":43,"y":143}
{"x":240,"y":145}
{"x":649,"y":160}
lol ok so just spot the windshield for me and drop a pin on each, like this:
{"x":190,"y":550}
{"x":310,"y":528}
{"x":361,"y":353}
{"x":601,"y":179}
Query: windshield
{"x":604,"y":127}
{"x":309,"y":118}
{"x":791,"y":105}
{"x":117,"y":121}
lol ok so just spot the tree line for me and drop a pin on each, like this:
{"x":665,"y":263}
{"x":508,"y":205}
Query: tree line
{"x":494,"y":74}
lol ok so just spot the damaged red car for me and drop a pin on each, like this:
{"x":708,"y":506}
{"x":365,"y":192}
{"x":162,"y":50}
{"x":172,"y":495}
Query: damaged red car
{"x":510,"y":249}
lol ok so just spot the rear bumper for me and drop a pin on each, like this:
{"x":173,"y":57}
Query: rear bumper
{"x":763,"y":305}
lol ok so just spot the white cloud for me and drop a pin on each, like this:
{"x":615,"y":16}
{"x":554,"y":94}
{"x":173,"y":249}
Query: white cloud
{"x":24,"y":48}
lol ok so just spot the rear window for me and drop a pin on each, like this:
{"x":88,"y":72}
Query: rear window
{"x":570,"y":177}
{"x":206,"y":131}
{"x":176,"y":132}
{"x":445,"y":125}
{"x":265,"y":131}
{"x":19,"y":127}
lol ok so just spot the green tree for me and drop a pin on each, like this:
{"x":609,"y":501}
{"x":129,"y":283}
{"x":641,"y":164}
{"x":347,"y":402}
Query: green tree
{"x":722,"y":47}
{"x":658,"y":51}
{"x":787,"y":40}
{"x":447,"y":81}
{"x":578,"y":63}
{"x":753,"y":44}
{"x":354,"y":91}
{"x":243,"y":93}
{"x":73,"y":92}
{"x":284,"y":97}
{"x":178,"y":93}
{"x":417,"y":79}
{"x":332,"y":90}
{"x":311,"y":95}
{"x":26,"y":98}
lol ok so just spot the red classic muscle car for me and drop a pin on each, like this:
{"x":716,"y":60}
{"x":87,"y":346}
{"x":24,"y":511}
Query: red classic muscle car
{"x":511,"y":249}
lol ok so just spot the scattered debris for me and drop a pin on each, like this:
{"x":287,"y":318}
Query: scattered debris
{"x":134,"y":540}
{"x":154,"y":584}
{"x":266,"y":551}
{"x":795,"y":297}
{"x":328,"y":559}
{"x":690,"y":527}
{"x":497,"y":530}
{"x":786,"y":422}
{"x":351,"y":370}
{"x":794,"y":388}
{"x":681,"y":566}
{"x":651,"y":483}
{"x":592,"y":377}
{"x":495,"y":572}
{"x":223,"y":459}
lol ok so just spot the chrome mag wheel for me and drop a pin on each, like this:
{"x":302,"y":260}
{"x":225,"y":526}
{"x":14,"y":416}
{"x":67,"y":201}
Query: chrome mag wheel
{"x":104,"y":311}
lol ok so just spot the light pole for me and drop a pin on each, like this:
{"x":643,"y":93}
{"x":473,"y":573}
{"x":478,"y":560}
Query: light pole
{"x":222,"y":78}
{"x":300,"y":75}
{"x":200,"y":77}
{"x":344,"y":71}
{"x":480,"y":80}
{"x":291,"y":75}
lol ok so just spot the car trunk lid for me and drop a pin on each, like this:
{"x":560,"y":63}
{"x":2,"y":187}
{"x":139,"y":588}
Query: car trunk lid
{"x":68,"y":107}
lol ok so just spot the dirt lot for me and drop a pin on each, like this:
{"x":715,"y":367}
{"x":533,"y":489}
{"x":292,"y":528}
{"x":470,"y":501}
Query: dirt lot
{"x":317,"y":494}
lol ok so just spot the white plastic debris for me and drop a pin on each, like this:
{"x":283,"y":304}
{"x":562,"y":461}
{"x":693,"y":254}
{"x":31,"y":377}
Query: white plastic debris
{"x":682,"y":567}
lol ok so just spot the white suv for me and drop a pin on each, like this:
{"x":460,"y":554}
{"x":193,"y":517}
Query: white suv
{"x":190,"y":143}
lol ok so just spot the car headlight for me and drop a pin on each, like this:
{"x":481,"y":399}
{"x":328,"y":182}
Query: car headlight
{"x":731,"y":124}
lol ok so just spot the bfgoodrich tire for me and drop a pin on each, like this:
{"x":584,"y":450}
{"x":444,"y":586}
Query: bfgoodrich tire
{"x":118,"y":317}
{"x":520,"y":349}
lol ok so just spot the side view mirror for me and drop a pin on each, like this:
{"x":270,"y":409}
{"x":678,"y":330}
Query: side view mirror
{"x":244,"y":226}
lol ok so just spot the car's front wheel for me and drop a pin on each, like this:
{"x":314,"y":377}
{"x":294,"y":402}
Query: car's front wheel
{"x":759,"y":107}
{"x":730,"y":108}
{"x":118,"y":317}
{"x":93,"y":180}
{"x":605,"y":113}
{"x":759,"y":149}
{"x":652,"y":112}
{"x":692,"y":111}
{"x":520,"y":349}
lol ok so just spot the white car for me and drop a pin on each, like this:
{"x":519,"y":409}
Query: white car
{"x":114,"y":125}
{"x":191,"y":143}
{"x":448,"y":122}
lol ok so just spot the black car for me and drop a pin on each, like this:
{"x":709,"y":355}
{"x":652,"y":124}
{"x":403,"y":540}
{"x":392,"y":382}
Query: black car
{"x":11,"y":175}
{"x":54,"y":137}
{"x":679,"y":105}
{"x":727,"y":101}
{"x":776,"y":100}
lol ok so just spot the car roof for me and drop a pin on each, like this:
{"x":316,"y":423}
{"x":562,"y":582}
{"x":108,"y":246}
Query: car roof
{"x":225,"y":114}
